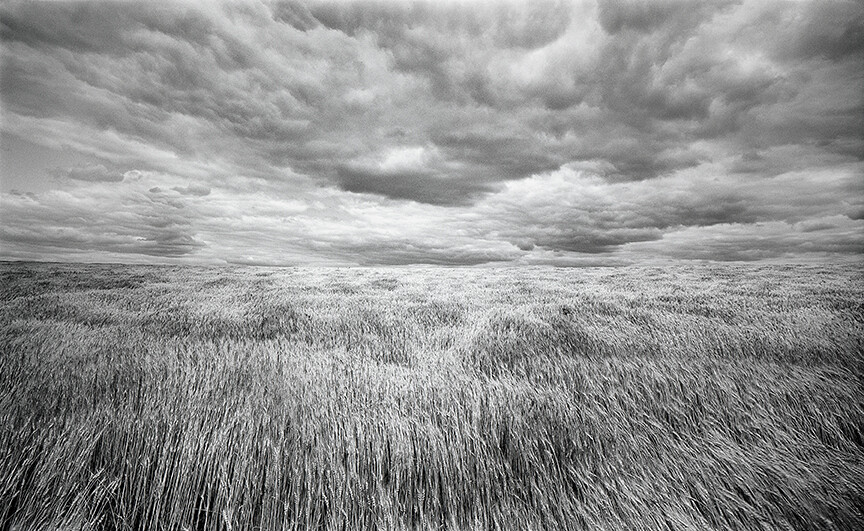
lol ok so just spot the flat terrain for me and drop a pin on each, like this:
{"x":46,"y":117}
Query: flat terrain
{"x":691,"y":397}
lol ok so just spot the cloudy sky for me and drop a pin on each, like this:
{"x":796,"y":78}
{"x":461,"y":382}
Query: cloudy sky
{"x":446,"y":132}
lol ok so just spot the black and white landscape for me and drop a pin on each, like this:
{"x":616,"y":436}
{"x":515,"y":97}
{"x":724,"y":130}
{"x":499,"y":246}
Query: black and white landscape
{"x":431,"y":265}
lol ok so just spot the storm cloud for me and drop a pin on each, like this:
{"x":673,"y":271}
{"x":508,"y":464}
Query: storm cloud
{"x":96,"y":173}
{"x":373,"y":132}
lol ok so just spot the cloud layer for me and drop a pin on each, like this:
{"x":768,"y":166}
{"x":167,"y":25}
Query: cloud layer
{"x":375,"y":132}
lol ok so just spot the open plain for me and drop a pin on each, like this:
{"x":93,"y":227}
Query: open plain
{"x":683,"y":397}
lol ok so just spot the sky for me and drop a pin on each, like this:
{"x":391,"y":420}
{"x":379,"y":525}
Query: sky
{"x":433,"y":132}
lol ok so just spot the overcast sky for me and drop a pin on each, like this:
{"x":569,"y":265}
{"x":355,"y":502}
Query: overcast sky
{"x":446,"y":132}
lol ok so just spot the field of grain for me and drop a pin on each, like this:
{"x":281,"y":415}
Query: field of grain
{"x":685,"y":397}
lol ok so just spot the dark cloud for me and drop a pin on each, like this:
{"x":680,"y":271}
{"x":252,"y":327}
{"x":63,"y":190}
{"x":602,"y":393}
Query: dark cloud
{"x":429,"y":39}
{"x":415,"y":186}
{"x":77,"y":26}
{"x":815,"y":225}
{"x":645,"y":16}
{"x":498,"y":155}
{"x":96,"y":173}
{"x":395,"y":252}
{"x":295,"y":14}
{"x":550,"y":130}
{"x":195,"y":190}
{"x":832,"y":30}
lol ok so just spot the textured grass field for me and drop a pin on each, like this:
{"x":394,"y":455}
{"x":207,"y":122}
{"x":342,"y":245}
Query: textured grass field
{"x":691,"y":397}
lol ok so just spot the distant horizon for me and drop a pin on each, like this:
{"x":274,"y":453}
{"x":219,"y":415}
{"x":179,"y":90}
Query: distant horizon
{"x":485,"y":134}
{"x":673,"y":262}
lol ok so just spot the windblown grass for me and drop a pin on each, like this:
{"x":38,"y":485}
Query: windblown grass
{"x":698,"y":397}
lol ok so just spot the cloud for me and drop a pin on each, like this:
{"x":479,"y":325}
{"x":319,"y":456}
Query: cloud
{"x":417,"y":186}
{"x":770,"y":240}
{"x":96,"y":173}
{"x":436,"y":132}
{"x":98,"y":216}
{"x":576,"y":211}
{"x":415,"y":173}
{"x":196,"y":190}
{"x":833,"y":32}
{"x":644,"y":16}
{"x":59,"y":222}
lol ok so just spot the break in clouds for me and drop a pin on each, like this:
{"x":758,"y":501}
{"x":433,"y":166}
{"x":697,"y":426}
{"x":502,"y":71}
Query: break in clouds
{"x":432,"y":132}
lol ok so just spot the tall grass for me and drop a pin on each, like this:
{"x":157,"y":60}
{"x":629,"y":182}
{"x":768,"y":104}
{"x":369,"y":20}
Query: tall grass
{"x":698,"y":397}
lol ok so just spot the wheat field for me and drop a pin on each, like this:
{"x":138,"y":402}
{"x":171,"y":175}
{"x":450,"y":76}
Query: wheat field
{"x":684,"y":397}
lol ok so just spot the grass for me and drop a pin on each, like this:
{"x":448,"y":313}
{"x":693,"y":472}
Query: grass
{"x":687,"y":397}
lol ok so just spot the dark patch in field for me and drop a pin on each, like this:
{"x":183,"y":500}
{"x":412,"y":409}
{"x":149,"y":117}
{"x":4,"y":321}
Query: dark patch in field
{"x":38,"y":279}
{"x":853,"y":309}
{"x":53,"y":307}
{"x":280,"y":320}
{"x":519,"y":346}
{"x":373,"y":334}
{"x":220,"y":282}
{"x":436,"y":313}
{"x":588,"y":306}
{"x":690,"y":305}
{"x":386,"y":284}
{"x":260,"y":324}
{"x":342,"y":288}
